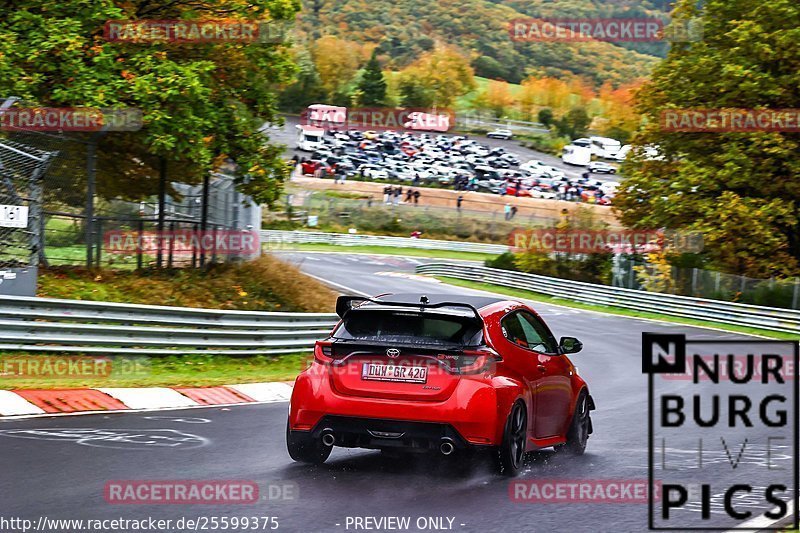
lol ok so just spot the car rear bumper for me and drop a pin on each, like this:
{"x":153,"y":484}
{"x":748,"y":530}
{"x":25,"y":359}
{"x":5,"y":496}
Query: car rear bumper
{"x":470,"y":411}
{"x":376,"y":433}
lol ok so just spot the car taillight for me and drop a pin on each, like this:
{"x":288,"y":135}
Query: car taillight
{"x":475,"y":362}
{"x":323,"y":352}
{"x":470,"y":361}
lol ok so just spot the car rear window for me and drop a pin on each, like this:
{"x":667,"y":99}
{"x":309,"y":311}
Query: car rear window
{"x":410,"y":328}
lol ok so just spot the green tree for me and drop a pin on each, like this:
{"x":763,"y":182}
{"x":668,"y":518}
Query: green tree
{"x":202,"y":103}
{"x":413,"y":93}
{"x":574,"y":123}
{"x":372,"y":86}
{"x":306,"y":88}
{"x":546,"y":117}
{"x":740,"y":190}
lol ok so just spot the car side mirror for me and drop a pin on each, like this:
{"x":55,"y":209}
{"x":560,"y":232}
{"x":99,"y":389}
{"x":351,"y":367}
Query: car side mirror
{"x":570,"y":345}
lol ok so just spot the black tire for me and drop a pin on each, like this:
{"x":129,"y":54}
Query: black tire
{"x":510,"y":457}
{"x":579,"y":428}
{"x":304,"y":449}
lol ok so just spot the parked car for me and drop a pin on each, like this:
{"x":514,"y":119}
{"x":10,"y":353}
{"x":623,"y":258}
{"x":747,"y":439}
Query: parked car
{"x":602,"y":168}
{"x":534,"y":165}
{"x":500,"y":134}
{"x":440,"y":373}
{"x":373,"y":172}
{"x":537,"y":192}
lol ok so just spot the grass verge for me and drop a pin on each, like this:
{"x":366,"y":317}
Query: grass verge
{"x":613,"y":310}
{"x":266,"y":284}
{"x":391,"y":250}
{"x":172,"y":371}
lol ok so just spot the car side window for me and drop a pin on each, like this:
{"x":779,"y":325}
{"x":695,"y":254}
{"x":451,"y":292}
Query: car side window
{"x":526,"y":331}
{"x":512,"y":329}
{"x":538,"y":336}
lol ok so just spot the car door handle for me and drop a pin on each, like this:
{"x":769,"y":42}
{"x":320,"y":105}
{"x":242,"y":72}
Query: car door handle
{"x":542,"y":368}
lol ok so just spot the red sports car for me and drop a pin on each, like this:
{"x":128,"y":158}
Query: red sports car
{"x":416,"y":373}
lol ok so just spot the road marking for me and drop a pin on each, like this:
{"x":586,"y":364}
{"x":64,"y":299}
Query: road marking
{"x":185,"y":420}
{"x":338,"y":285}
{"x":150,"y":397}
{"x":762,"y":523}
{"x":265,"y":392}
{"x":131,"y":439}
{"x":223,"y":407}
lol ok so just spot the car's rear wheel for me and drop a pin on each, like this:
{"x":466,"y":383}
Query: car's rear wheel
{"x":579,"y":428}
{"x":304,"y":449}
{"x":511,"y":454}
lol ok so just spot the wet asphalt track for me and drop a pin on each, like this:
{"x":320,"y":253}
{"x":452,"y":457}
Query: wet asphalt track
{"x":54,"y":475}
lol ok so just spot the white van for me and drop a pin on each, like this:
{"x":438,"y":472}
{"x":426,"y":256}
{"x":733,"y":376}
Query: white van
{"x":576,"y":155}
{"x":605,"y":147}
{"x":309,"y":138}
{"x":622,"y":153}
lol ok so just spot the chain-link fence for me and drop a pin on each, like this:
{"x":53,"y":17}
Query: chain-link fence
{"x":630,"y":272}
{"x":81,"y":211}
{"x":21,"y":177}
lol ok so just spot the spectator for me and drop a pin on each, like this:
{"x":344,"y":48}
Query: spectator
{"x":416,"y":234}
{"x":409,"y":194}
{"x":318,"y":171}
{"x":416,"y":197}
{"x":458,"y":202}
{"x":398,"y":192}
{"x":517,"y":185}
{"x":507,"y":211}
{"x":513,"y":212}
{"x":387,"y":191}
{"x":562,"y":191}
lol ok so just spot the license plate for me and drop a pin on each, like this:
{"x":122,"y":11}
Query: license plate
{"x":405,"y":374}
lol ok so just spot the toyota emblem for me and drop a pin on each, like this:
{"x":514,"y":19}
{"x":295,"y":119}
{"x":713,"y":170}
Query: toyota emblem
{"x":392,"y":352}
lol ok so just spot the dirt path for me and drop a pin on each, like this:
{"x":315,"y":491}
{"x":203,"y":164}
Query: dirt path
{"x":473,"y":201}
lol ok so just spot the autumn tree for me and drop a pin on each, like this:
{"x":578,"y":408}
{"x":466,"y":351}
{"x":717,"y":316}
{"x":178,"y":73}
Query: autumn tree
{"x":202,"y":103}
{"x":443,"y":73}
{"x":337,"y":61}
{"x":739,"y":189}
{"x":496,"y":97}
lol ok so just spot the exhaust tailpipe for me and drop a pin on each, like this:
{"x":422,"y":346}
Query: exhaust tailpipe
{"x":328,"y":438}
{"x":446,"y":447}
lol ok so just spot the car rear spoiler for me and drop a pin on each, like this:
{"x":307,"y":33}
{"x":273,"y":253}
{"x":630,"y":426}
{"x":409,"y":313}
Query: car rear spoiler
{"x":345,"y":304}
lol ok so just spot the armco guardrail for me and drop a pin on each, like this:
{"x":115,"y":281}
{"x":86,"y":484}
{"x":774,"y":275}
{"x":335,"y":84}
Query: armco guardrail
{"x":275,"y":239}
{"x":75,"y":326}
{"x":770,"y":318}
